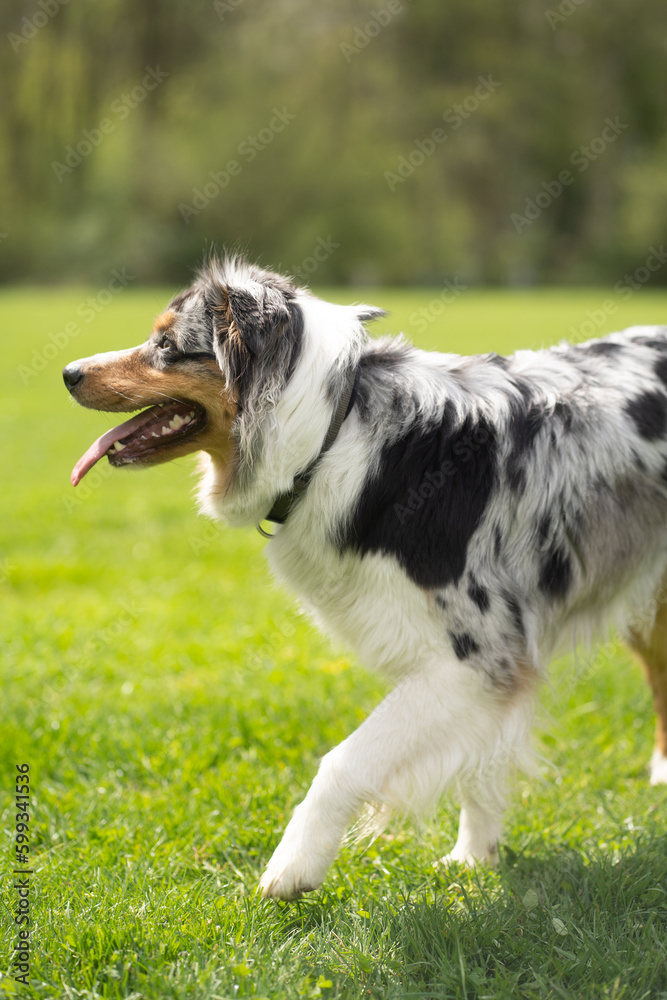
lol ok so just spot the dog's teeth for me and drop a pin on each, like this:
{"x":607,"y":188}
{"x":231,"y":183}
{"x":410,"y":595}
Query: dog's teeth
{"x":155,"y":435}
{"x":165,"y":430}
{"x":117,"y":446}
{"x":176,"y":422}
{"x":191,"y":413}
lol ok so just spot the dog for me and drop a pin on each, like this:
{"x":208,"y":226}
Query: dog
{"x":453,"y":520}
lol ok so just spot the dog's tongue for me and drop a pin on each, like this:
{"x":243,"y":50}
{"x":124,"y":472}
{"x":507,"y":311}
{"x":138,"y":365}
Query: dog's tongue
{"x":101,"y":446}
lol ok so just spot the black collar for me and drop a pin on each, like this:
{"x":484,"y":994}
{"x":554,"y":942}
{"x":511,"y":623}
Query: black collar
{"x":283,"y":504}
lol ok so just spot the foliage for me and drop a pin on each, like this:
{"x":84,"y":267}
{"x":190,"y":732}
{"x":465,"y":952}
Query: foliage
{"x":367,"y":85}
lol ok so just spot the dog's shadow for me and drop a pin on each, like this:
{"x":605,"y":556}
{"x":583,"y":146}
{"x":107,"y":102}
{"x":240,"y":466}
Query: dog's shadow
{"x":543,"y":920}
{"x":535,"y":926}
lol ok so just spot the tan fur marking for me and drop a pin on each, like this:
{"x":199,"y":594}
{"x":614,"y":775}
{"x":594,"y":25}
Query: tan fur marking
{"x":523,"y":682}
{"x":652,"y":651}
{"x":226,"y":322}
{"x":130,"y":383}
{"x":164,"y":322}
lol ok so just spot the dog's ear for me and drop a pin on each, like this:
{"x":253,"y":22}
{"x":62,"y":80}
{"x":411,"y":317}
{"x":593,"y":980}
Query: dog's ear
{"x":258,"y":314}
{"x":366,"y":314}
{"x":249,"y":316}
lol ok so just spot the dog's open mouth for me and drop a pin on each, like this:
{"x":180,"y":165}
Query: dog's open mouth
{"x":157,"y":427}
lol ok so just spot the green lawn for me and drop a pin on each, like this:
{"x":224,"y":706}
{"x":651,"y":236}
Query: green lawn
{"x":173,"y":705}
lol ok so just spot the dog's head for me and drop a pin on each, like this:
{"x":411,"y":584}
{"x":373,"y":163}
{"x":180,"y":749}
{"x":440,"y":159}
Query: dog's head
{"x":218,"y":348}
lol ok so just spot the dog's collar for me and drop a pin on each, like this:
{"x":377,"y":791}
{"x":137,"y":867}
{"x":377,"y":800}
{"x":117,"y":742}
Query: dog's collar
{"x":284,"y":503}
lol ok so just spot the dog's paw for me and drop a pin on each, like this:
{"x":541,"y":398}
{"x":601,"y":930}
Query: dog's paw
{"x":288,"y":876}
{"x":658,"y":768}
{"x":462,"y":855}
{"x":301,"y":859}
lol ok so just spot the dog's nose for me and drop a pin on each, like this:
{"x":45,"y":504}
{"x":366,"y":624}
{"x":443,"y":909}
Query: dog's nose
{"x":72,"y":375}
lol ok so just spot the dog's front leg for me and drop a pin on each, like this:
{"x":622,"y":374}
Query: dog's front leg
{"x":435,"y":723}
{"x":313,"y":835}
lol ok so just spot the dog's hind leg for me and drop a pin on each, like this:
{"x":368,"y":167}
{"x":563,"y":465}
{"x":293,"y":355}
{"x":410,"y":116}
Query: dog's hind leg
{"x":652,"y":649}
{"x":480,"y":822}
{"x":439,"y":723}
{"x":483,"y":792}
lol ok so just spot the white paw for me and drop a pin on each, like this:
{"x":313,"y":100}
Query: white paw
{"x":658,"y":768}
{"x":300,"y":861}
{"x":462,"y":854}
{"x":289,"y":874}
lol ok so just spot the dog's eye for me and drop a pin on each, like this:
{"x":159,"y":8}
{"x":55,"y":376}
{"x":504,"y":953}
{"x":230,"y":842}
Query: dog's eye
{"x":166,"y":344}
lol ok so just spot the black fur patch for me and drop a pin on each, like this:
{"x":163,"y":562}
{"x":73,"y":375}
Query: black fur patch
{"x":544,"y":528}
{"x":376,"y":367}
{"x":661,"y":370}
{"x":187,"y":353}
{"x":427,"y":498}
{"x":516,"y":478}
{"x":524,"y":426}
{"x":654,"y":342}
{"x":497,"y":542}
{"x":464,"y":644}
{"x":514,"y":609}
{"x":478,"y":594}
{"x":556,"y":574}
{"x":605,"y":347}
{"x":564,"y":413}
{"x":649,"y":412}
{"x":524,"y":388}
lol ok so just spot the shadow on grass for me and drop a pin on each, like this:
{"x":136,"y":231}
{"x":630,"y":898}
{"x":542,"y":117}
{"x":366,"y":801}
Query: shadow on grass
{"x":558,"y":925}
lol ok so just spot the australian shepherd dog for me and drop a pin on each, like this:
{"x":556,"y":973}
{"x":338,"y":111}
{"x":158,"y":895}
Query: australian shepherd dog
{"x":452,"y":520}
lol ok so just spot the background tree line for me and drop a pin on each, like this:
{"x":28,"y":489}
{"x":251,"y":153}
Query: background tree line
{"x":404,"y":141}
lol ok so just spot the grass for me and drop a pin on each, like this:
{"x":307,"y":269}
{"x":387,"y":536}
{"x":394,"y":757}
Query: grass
{"x":172,"y":706}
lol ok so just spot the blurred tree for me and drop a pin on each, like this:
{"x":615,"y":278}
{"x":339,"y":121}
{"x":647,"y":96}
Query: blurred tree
{"x":138,"y":134}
